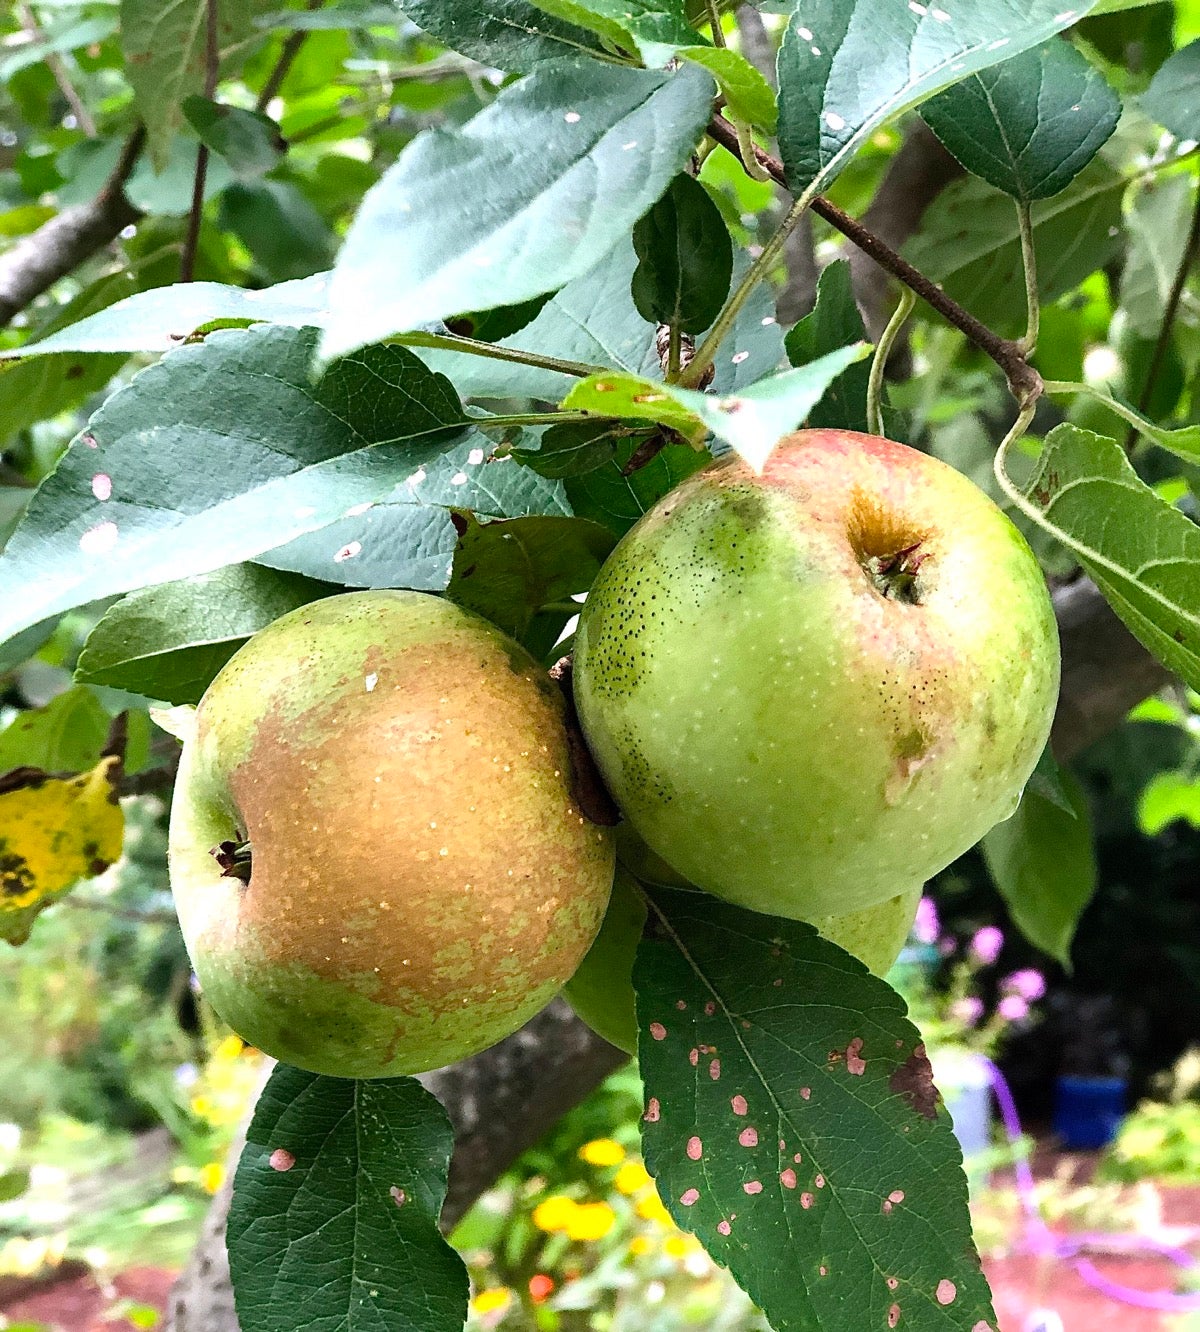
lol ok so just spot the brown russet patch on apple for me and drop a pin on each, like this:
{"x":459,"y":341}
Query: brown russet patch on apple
{"x":431,"y":859}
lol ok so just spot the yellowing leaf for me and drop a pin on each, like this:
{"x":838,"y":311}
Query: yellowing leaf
{"x":54,"y":831}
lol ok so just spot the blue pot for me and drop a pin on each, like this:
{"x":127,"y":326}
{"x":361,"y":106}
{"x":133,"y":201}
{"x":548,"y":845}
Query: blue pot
{"x":1088,"y":1111}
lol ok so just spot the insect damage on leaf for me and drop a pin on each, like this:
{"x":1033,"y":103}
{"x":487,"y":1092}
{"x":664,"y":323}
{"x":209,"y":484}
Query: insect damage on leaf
{"x":914,"y":1081}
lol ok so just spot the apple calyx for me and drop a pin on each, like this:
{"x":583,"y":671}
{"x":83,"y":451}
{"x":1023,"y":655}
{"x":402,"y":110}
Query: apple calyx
{"x":897,"y":577}
{"x":234,"y":858}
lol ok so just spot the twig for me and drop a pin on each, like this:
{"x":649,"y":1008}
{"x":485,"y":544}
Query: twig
{"x":291,"y":48}
{"x":1023,"y":380}
{"x":212,"y":60}
{"x":56,"y":65}
{"x":151,"y":917}
{"x":1168,"y":321}
{"x":36,"y":263}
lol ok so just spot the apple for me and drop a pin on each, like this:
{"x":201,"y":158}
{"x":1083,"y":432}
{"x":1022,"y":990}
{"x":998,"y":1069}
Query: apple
{"x":811,"y":688}
{"x":377,"y":859}
{"x":601,"y":991}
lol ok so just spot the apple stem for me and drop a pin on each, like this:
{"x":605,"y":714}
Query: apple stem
{"x":879,"y":361}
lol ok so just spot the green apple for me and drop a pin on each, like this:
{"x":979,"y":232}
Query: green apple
{"x":418,"y":880}
{"x":601,"y":991}
{"x":813,"y":687}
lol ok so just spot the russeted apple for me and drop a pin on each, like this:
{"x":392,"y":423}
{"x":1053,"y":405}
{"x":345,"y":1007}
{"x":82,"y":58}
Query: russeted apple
{"x":811,"y":688}
{"x":377,"y":859}
{"x":601,"y":991}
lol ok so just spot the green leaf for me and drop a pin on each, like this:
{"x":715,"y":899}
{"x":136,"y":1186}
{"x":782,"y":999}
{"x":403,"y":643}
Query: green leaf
{"x":970,"y":245}
{"x":66,"y":735}
{"x":1143,"y":554}
{"x":1043,"y":862}
{"x":508,"y":571}
{"x":616,"y":501}
{"x":334,"y":1220}
{"x":1169,"y":797}
{"x":685,"y":258}
{"x":752,"y":421}
{"x":571,"y":450}
{"x":509,"y":34}
{"x":593,"y":320}
{"x":408,"y":539}
{"x":828,"y":109}
{"x":161,"y":319}
{"x":1049,"y":782}
{"x":654,"y":29}
{"x":287,"y":237}
{"x":1173,"y":97}
{"x":834,"y":322}
{"x":216,"y":454}
{"x":168,"y":642}
{"x":791,"y":1108}
{"x":540,"y":185}
{"x":632,"y":399}
{"x":164,"y":49}
{"x":248,"y":140}
{"x":747,"y":94}
{"x":1157,"y":219}
{"x":1030,"y":125}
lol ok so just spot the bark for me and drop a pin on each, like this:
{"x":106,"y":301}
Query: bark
{"x":58,"y":247}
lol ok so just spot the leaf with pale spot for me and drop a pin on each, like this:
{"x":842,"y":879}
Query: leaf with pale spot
{"x":218,"y":453}
{"x":541,"y":184}
{"x":790,"y":1109}
{"x":847,"y":66}
{"x":334,"y":1221}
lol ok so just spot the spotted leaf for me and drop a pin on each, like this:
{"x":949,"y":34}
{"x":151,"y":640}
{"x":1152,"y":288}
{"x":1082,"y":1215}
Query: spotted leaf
{"x":334,"y":1222}
{"x":792,"y":1123}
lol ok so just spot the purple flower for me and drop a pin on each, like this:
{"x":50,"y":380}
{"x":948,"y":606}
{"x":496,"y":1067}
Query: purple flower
{"x":1028,"y":983}
{"x":926,"y":927}
{"x":967,"y":1010}
{"x":1012,"y":1008}
{"x":986,"y":945}
{"x":186,"y":1074}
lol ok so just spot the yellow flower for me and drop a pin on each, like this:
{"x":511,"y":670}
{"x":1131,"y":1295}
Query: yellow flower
{"x":211,"y":1176}
{"x":554,"y":1213}
{"x":631,"y":1177}
{"x":640,"y":1244}
{"x":650,"y":1208}
{"x":602,"y":1152}
{"x":230,"y":1048}
{"x":591,"y":1221}
{"x":679,"y":1246}
{"x":202,"y":1106}
{"x":489,"y":1301}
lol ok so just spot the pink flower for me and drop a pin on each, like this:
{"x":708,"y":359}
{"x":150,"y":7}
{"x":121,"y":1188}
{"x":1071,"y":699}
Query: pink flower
{"x":1028,"y":983}
{"x":967,"y":1010}
{"x":926,"y":927}
{"x":1012,"y":1008}
{"x":986,"y":944}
